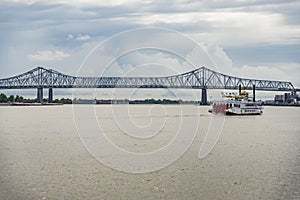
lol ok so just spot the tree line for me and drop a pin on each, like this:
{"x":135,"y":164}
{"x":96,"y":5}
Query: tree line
{"x":11,"y":98}
{"x":20,"y":99}
{"x":17,"y":98}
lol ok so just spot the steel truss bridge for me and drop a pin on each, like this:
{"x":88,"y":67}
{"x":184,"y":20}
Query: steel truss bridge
{"x":201,"y":78}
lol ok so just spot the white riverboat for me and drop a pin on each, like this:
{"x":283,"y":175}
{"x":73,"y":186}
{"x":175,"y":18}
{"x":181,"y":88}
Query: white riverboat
{"x":237,"y":104}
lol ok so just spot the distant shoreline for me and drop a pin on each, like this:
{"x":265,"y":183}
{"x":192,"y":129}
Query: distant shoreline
{"x":283,"y":105}
{"x":139,"y":102}
{"x":20,"y":101}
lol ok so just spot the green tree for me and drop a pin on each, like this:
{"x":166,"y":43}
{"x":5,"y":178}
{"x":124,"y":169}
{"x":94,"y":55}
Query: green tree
{"x":3,"y":98}
{"x":11,"y":98}
{"x":19,"y":99}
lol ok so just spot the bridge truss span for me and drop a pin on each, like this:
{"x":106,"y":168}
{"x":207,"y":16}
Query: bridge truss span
{"x":201,"y":78}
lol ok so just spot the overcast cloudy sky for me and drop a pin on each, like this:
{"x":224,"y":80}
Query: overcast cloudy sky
{"x":254,"y":39}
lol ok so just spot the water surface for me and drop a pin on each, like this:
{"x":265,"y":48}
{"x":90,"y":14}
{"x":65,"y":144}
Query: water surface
{"x":42,"y":157}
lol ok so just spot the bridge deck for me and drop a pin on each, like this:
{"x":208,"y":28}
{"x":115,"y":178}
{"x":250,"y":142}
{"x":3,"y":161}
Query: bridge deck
{"x":201,"y":78}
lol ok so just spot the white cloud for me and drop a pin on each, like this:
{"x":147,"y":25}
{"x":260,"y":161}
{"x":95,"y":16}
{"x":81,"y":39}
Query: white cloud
{"x":83,"y":37}
{"x":219,"y":57}
{"x":267,"y":71}
{"x":48,"y":55}
{"x":80,"y":37}
{"x":70,"y":37}
{"x":84,"y":3}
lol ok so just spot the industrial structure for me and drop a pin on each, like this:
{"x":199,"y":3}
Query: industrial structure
{"x":201,"y":78}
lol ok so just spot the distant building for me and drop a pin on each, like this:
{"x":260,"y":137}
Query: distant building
{"x":287,"y":98}
{"x":278,"y":99}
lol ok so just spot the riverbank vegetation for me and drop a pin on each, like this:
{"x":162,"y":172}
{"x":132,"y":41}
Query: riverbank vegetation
{"x":20,"y":99}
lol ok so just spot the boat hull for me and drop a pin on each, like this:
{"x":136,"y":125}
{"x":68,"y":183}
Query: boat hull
{"x":232,"y":113}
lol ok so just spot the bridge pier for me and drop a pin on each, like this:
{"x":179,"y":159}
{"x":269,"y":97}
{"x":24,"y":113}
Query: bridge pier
{"x":204,"y":96}
{"x":50,"y":95}
{"x":39,"y":98}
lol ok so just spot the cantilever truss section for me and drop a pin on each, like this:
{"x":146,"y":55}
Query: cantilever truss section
{"x":201,"y":78}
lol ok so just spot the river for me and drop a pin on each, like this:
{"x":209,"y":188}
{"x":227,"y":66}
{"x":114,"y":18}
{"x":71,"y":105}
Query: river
{"x":44,"y":153}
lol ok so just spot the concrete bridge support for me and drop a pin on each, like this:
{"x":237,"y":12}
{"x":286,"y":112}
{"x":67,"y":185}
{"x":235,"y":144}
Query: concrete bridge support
{"x":50,"y":95}
{"x":39,"y":98}
{"x":204,"y":96}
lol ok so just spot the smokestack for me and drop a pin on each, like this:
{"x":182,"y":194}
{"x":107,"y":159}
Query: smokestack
{"x":254,"y":93}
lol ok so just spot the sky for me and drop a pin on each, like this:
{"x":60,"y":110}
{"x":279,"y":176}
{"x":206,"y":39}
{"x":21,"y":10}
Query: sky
{"x":254,"y":39}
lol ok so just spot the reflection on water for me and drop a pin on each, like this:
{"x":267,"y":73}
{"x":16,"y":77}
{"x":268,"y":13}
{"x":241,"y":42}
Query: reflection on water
{"x":256,"y":157}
